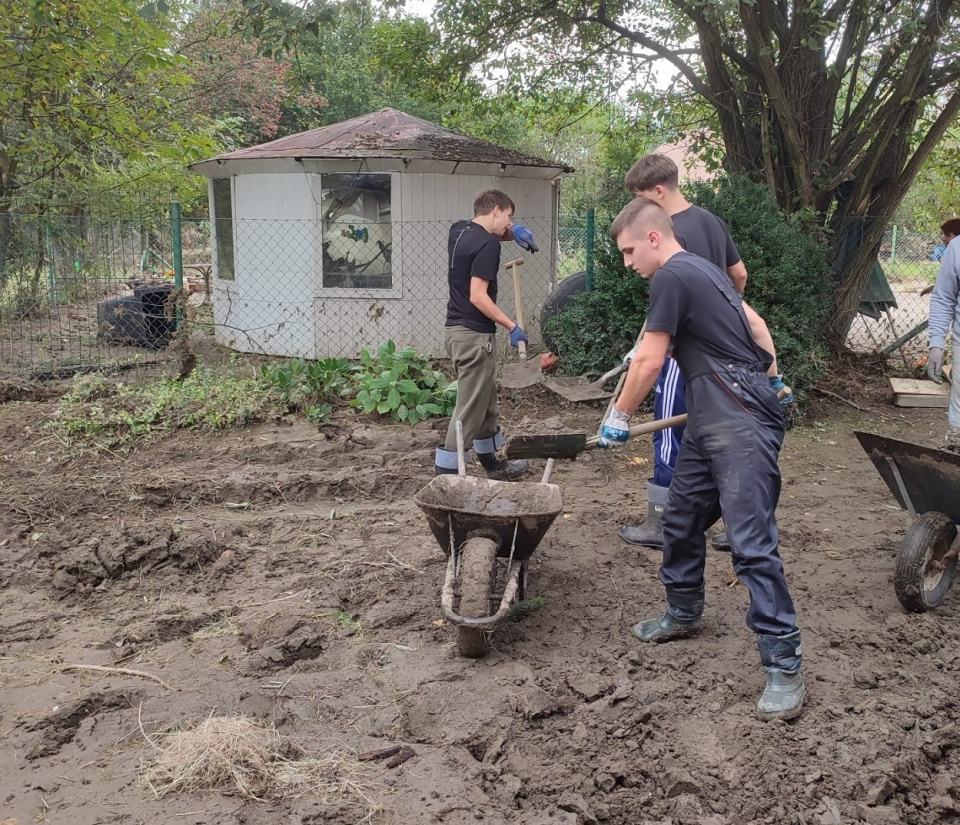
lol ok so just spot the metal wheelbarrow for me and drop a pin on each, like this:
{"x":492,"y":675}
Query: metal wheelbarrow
{"x":480,"y":524}
{"x":925,"y":483}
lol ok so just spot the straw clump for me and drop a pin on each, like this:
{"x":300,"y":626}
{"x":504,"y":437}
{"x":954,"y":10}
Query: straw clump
{"x":240,"y":755}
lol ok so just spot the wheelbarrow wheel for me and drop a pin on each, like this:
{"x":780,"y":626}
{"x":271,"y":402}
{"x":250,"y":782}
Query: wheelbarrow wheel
{"x":478,"y":578}
{"x":924,"y":571}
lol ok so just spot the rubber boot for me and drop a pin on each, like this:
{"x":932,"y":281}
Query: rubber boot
{"x":721,"y":542}
{"x":495,"y":468}
{"x":445,"y":462}
{"x":951,"y":442}
{"x":683,"y":617}
{"x":500,"y":470}
{"x":782,"y":658}
{"x":650,"y":533}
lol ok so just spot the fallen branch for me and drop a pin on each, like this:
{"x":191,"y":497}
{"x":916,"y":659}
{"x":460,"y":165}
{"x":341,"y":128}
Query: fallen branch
{"x":121,"y":670}
{"x":855,"y":406}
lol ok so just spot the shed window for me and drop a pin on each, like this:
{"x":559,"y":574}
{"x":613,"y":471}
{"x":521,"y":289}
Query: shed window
{"x":223,"y":227}
{"x":357,"y":233}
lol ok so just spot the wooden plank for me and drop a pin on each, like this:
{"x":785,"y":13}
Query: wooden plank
{"x":917,"y":386}
{"x":946,"y":372}
{"x":912,"y":392}
{"x":933,"y":401}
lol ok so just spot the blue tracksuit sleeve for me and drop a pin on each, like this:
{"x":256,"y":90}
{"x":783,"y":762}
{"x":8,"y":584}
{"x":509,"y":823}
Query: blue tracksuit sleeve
{"x":944,"y":308}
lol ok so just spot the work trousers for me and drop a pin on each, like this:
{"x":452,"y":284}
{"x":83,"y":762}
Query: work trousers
{"x":953,"y":411}
{"x":668,"y":401}
{"x":728,"y":462}
{"x":474,"y":357}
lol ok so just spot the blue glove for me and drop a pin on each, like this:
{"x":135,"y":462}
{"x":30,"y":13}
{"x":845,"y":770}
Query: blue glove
{"x":517,"y":335}
{"x":615,"y":430}
{"x":776,"y":384}
{"x":524,"y":238}
{"x":630,"y":356}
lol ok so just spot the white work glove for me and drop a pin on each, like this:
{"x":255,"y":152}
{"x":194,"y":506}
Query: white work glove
{"x":615,"y":430}
{"x":935,"y":364}
{"x":630,"y":356}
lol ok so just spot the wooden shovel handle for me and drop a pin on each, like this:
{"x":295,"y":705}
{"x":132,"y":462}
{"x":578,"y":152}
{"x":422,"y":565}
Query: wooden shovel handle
{"x":518,"y":300}
{"x":666,"y":423}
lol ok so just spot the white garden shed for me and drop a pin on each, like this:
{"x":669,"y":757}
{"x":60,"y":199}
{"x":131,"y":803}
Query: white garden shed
{"x":332,"y":240}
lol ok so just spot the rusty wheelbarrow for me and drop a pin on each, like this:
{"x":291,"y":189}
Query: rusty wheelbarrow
{"x":489,"y":530}
{"x":925,"y":483}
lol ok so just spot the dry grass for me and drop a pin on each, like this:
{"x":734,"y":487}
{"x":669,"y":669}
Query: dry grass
{"x":240,"y":755}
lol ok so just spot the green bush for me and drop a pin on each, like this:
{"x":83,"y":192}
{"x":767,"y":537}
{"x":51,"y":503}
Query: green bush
{"x":788,"y":285}
{"x":397,"y":383}
{"x":403,"y":385}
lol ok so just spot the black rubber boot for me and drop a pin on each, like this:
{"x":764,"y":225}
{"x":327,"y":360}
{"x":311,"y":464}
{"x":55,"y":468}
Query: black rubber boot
{"x":683,"y":617}
{"x":650,"y":533}
{"x":782,"y":658}
{"x":500,"y":470}
{"x":722,"y":543}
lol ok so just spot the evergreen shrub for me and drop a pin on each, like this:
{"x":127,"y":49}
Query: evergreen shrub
{"x":789,"y":285}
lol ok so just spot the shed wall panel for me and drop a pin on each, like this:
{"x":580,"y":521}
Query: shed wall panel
{"x":276,"y":304}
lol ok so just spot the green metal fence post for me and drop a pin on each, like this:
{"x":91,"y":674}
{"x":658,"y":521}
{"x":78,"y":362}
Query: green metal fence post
{"x":177,"y":257}
{"x":591,"y":218}
{"x":51,"y":265}
{"x":893,"y":246}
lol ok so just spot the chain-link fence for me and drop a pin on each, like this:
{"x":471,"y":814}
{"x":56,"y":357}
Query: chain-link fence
{"x":896,"y":303}
{"x":97,"y":292}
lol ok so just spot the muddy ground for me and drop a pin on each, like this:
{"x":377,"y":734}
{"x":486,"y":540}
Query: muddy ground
{"x":285,"y":573}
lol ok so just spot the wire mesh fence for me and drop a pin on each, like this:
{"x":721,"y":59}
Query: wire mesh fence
{"x":96,"y":291}
{"x":896,"y":303}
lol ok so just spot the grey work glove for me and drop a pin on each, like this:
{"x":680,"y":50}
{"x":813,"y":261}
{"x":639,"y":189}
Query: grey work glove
{"x":935,"y":364}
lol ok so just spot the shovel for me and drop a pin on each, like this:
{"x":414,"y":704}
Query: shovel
{"x":579,"y":389}
{"x":524,"y":373}
{"x":570,"y":445}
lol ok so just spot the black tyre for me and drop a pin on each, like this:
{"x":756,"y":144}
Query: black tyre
{"x":561,"y":295}
{"x":922,"y":576}
{"x":478,"y":578}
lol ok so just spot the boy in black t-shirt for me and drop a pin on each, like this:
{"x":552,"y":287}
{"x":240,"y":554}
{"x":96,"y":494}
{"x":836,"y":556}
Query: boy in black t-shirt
{"x":730,"y":446}
{"x":656,"y":177}
{"x":473,"y":256}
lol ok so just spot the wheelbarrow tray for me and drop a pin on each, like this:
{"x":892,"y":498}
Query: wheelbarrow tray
{"x":514,"y":514}
{"x":930,"y":478}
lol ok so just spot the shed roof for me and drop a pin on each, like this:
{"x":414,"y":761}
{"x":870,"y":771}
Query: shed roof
{"x":387,"y":133}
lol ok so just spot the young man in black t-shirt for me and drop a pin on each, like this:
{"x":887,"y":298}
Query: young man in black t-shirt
{"x":730,"y":446}
{"x":657,"y":178}
{"x":473,"y":256}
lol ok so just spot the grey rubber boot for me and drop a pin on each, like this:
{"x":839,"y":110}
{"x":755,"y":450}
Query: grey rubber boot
{"x":782,"y":658}
{"x":721,"y":542}
{"x":683,"y":617}
{"x":951,"y":441}
{"x":650,"y":533}
{"x":500,"y":470}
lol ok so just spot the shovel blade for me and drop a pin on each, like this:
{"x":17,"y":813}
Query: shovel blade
{"x":520,"y":374}
{"x":564,"y":445}
{"x":577,"y":390}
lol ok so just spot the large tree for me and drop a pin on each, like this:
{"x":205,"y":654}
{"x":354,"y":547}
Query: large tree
{"x":836,"y":104}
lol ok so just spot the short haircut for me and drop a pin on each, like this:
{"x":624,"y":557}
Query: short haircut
{"x":486,"y":202}
{"x":951,"y":227}
{"x":651,"y":171}
{"x":645,"y":214}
